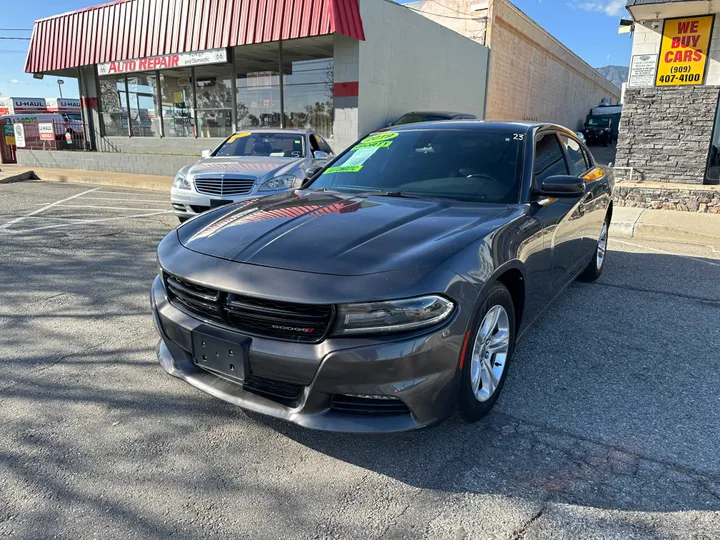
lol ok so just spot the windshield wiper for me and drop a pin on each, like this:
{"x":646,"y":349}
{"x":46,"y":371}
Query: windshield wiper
{"x":400,"y":194}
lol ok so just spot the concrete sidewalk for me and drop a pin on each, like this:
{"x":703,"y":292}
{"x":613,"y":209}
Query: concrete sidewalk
{"x":16,"y":173}
{"x":667,"y":225}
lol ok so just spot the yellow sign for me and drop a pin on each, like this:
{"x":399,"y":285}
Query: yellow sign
{"x":239,"y":136}
{"x":684,"y":50}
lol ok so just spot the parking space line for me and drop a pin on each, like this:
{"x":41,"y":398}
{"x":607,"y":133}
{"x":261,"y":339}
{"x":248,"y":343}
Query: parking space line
{"x":83,"y":221}
{"x":5,"y":226}
{"x":667,"y":252}
{"x":109,"y":207}
{"x":124,"y":200}
{"x":139,"y":193}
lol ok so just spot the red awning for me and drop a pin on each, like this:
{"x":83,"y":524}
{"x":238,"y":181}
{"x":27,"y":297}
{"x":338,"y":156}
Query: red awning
{"x":127,"y":29}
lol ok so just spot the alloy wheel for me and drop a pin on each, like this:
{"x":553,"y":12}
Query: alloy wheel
{"x":489,"y":354}
{"x":602,"y":246}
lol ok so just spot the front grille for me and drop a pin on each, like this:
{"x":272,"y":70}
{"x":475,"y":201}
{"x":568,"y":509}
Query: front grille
{"x":367,"y":405}
{"x":272,"y":389}
{"x":224,"y":186}
{"x":270,"y":318}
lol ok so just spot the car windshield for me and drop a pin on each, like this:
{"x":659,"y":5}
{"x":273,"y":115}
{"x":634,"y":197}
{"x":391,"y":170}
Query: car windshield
{"x":74,"y":117}
{"x":414,"y":118}
{"x":460,"y":164}
{"x":598,"y":122}
{"x":262,"y":144}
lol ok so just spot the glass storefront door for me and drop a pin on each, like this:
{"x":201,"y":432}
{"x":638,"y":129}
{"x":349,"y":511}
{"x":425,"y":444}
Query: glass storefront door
{"x":144,"y":113}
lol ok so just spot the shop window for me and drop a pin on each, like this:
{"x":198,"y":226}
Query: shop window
{"x":177,"y":103}
{"x":258,"y":85}
{"x":712,"y":175}
{"x":213,"y":87}
{"x":113,"y":105}
{"x":308,"y":79}
{"x":144,"y":111}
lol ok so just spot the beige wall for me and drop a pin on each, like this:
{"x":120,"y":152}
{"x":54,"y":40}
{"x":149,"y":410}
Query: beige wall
{"x":533,"y":76}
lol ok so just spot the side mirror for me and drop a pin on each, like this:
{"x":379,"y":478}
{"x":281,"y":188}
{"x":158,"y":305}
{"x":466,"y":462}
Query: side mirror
{"x":206,"y":153}
{"x":319,"y":154}
{"x":562,"y":186}
{"x":310,"y":172}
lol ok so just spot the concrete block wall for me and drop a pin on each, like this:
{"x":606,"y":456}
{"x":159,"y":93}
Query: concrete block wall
{"x":409,"y":62}
{"x":163,"y":165}
{"x":166,"y":145}
{"x":534,"y":77}
{"x":665,"y":133}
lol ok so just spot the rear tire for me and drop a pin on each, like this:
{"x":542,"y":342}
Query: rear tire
{"x":595,"y":267}
{"x":488,"y":354}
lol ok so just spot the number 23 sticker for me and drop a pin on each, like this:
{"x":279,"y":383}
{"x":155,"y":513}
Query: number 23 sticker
{"x":518,"y":136}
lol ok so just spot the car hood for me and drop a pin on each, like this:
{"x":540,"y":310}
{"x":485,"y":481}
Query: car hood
{"x":255,"y":167}
{"x":332,"y":233}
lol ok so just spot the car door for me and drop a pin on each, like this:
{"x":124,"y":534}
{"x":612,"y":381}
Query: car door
{"x":596,"y":200}
{"x":562,"y":217}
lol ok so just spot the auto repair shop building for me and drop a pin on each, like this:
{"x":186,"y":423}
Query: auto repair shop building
{"x":177,"y":76}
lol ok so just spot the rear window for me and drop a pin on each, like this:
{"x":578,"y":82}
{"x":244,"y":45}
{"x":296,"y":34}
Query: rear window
{"x":465,"y":165}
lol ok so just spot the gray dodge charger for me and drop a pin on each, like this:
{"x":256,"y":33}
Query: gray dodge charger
{"x":389,"y":291}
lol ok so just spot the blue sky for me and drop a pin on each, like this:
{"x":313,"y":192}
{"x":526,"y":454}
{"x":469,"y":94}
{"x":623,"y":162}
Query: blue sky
{"x":588,"y":27}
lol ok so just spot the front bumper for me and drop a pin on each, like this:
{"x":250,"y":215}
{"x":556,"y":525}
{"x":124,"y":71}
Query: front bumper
{"x":421,"y":371}
{"x":189,"y":203}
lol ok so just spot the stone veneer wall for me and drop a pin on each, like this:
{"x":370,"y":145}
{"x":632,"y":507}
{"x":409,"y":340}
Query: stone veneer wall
{"x":665,"y":133}
{"x":705,"y":199}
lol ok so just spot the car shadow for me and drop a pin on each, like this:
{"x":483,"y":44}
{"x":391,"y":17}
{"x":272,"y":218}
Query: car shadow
{"x":594,"y":412}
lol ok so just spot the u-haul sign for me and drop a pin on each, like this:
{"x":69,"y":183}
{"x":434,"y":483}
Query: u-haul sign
{"x":18,"y":105}
{"x":167,"y":61}
{"x":63,"y":104}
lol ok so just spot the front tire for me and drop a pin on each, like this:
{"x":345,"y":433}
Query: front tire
{"x":487,"y":355}
{"x":595,"y":267}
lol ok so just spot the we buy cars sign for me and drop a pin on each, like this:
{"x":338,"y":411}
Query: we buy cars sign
{"x":167,"y":61}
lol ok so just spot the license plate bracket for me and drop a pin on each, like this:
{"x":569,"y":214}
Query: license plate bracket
{"x":227,"y":358}
{"x":215,"y":203}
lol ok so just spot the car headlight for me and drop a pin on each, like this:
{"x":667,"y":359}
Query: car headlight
{"x":284,"y":181}
{"x":181,"y":182}
{"x":606,"y":129}
{"x":392,"y":315}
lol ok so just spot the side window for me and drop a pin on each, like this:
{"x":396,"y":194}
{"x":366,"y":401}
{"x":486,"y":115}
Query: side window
{"x":549,"y":159}
{"x":578,"y":161}
{"x":313,"y":143}
{"x":324,"y":146}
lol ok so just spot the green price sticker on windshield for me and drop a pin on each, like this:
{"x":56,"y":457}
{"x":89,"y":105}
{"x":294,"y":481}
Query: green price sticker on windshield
{"x":378,"y":144}
{"x":346,"y":168}
{"x":377,"y":137}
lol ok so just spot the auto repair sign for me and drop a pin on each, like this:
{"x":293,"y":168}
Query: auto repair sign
{"x":684,"y":51}
{"x":167,"y":61}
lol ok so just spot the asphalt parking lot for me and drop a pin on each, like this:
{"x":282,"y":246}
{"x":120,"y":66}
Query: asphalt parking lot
{"x":608,"y":426}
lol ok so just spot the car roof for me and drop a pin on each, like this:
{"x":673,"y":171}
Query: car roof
{"x":436,"y":113}
{"x":478,"y":125}
{"x":274,"y":130}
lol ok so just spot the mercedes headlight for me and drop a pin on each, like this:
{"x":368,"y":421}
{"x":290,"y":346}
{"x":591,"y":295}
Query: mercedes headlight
{"x":284,"y":181}
{"x":181,"y":182}
{"x":392,"y":315}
